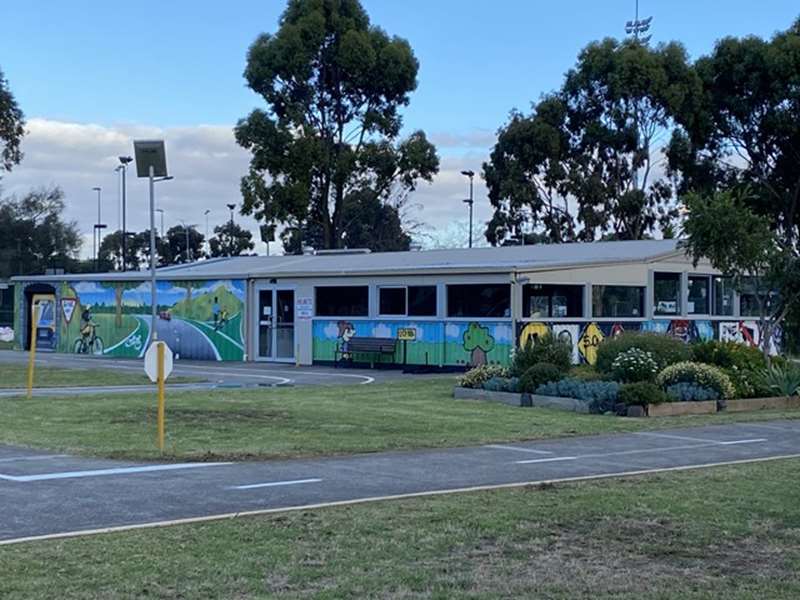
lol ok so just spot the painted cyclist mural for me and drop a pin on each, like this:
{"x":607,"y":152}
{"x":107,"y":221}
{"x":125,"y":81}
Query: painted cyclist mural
{"x":198,"y":320}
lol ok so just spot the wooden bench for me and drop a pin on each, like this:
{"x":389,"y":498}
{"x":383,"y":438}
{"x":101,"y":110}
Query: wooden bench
{"x":365,"y":345}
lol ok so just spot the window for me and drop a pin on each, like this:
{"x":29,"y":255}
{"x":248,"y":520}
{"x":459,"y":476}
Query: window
{"x":342,"y":301}
{"x":540,"y":301}
{"x":479,"y":301}
{"x":749,"y":297}
{"x":616,"y":301}
{"x":667,"y":294}
{"x":422,"y":301}
{"x":699,"y":300}
{"x":412,"y":301}
{"x":723,"y":296}
{"x":392,"y":301}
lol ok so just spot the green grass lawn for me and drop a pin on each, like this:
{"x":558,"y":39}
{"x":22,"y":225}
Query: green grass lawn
{"x":731,"y":532}
{"x":302,"y":421}
{"x":16,"y":376}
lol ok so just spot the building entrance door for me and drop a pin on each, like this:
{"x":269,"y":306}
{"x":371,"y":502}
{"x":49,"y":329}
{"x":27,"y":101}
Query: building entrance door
{"x":275,"y":324}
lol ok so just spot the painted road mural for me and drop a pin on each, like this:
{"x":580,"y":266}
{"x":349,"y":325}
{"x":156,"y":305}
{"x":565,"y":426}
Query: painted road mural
{"x":199,"y":320}
{"x":435,"y":343}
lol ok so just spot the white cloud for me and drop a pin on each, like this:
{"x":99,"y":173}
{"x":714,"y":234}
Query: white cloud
{"x":452,"y":330}
{"x":207,"y":165}
{"x":502,"y":334}
{"x":87,"y":287}
{"x":331,"y":331}
{"x":382,"y":331}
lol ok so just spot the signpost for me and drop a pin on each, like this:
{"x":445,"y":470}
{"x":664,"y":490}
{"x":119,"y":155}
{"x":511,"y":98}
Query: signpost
{"x":32,"y":353}
{"x":405,"y":335}
{"x":158,"y":366}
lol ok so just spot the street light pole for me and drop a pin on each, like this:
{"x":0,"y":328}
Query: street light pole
{"x":161,"y":210}
{"x":124,"y":161}
{"x":97,"y":231}
{"x":470,"y":201}
{"x":230,"y":206}
{"x":208,"y":243}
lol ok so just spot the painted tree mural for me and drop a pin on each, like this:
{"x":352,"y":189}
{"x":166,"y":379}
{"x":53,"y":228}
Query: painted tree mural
{"x":119,"y":288}
{"x":478,"y":342}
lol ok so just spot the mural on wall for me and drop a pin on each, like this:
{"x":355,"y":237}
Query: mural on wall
{"x":435,"y":343}
{"x":199,"y":320}
{"x":346,"y":333}
{"x":749,"y":333}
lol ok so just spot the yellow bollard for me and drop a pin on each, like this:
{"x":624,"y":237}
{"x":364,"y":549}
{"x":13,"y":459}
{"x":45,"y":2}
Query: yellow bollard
{"x":160,"y":358}
{"x":32,"y":353}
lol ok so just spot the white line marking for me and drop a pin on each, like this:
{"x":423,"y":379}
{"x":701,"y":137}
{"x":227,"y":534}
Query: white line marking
{"x":517,"y":449}
{"x":104,"y":472}
{"x":674,"y":437}
{"x":254,"y":486}
{"x":41,"y":457}
{"x":544,"y":460}
{"x":651,"y":450}
{"x":477,"y":488}
{"x":126,"y":338}
{"x":772,"y":427}
{"x":212,"y":372}
{"x":734,"y":442}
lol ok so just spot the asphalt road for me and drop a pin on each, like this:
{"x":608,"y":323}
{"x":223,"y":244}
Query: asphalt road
{"x":184,"y":339}
{"x":47,"y":494}
{"x":216,"y":374}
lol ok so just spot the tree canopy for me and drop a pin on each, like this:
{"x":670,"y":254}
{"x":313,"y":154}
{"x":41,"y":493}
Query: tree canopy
{"x":230,"y":239}
{"x":586,"y":163}
{"x":334,"y":85}
{"x":33,"y":236}
{"x":12,"y":128}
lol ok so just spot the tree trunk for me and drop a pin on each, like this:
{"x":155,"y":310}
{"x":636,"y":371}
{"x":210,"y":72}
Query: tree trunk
{"x":118,"y":305}
{"x":478,"y":357}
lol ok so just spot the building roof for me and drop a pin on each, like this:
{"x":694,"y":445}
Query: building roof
{"x":474,"y":260}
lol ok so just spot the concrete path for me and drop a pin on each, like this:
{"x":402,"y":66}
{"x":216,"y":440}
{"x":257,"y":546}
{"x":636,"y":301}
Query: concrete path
{"x":226,"y":374}
{"x":50,"y":494}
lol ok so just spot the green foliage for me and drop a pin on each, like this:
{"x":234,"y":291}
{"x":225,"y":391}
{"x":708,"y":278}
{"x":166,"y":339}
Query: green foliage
{"x":665,"y":350}
{"x":699,"y":374}
{"x":334,"y":85}
{"x":641,"y":393}
{"x":539,"y":374}
{"x":12,"y":128}
{"x":691,"y":392}
{"x":600,"y":395}
{"x":476,"y":377}
{"x":593,"y":141}
{"x":634,"y":365}
{"x":546,"y":349}
{"x":502,"y":384}
{"x":728,"y":355}
{"x":33,"y":234}
{"x":785,"y":380}
{"x":585,"y":373}
{"x":231,"y":239}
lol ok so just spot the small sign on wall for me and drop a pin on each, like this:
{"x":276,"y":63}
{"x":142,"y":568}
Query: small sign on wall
{"x":407,"y":334}
{"x":304,"y":308}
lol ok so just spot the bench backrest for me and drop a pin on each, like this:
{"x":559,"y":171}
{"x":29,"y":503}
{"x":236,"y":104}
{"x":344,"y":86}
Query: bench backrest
{"x":372,"y":344}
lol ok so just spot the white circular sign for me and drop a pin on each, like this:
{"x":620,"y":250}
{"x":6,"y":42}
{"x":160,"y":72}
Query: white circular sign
{"x":151,"y":361}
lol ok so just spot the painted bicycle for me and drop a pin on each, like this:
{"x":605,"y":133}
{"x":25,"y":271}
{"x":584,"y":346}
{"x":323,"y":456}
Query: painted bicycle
{"x":89,"y":342}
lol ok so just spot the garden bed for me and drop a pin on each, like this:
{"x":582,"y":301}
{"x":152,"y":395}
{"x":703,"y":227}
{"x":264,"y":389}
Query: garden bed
{"x":753,"y":404}
{"x":674,"y":409}
{"x":514,"y":399}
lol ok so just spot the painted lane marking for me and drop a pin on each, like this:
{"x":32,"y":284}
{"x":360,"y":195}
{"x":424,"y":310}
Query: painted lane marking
{"x":651,"y":450}
{"x":254,"y":486}
{"x":105,"y":472}
{"x":126,"y":338}
{"x":41,"y":457}
{"x":545,"y":460}
{"x":674,"y":437}
{"x":218,"y":332}
{"x":786,"y":429}
{"x":211,"y":372}
{"x":369,"y":499}
{"x":517,"y":449}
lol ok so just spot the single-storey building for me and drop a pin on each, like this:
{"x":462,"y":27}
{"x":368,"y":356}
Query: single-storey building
{"x":440,"y":308}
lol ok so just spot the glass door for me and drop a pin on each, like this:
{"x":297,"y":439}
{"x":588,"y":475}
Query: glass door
{"x":276,"y":324}
{"x":265,"y":324}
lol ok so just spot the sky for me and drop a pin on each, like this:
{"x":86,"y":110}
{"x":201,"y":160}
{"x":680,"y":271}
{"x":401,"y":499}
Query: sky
{"x":91,"y":76}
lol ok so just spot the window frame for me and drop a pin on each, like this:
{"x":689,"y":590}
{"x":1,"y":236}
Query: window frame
{"x":340,"y":316}
{"x":448,"y":286}
{"x":550,"y":304}
{"x":679,"y":297}
{"x":407,"y":314}
{"x":642,"y":301}
{"x":709,"y":279}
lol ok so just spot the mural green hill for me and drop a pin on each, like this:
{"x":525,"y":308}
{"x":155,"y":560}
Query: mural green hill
{"x":200,"y":307}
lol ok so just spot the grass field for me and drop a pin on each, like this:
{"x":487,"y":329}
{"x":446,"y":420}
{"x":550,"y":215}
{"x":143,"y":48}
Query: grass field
{"x":302,"y":421}
{"x":731,"y":532}
{"x":15,"y":376}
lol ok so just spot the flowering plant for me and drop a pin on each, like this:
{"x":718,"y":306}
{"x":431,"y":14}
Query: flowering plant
{"x":634,"y":365}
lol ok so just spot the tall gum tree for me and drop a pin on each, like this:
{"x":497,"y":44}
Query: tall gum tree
{"x":333,"y":84}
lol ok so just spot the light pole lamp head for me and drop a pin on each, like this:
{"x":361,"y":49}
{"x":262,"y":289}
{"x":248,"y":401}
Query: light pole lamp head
{"x":468,"y":173}
{"x":96,"y":189}
{"x":231,"y":206}
{"x":125,"y":160}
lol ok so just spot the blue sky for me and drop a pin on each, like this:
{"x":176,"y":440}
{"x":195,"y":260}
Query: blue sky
{"x":91,"y":75}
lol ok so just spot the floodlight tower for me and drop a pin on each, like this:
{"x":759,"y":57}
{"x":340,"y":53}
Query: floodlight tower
{"x":639,"y":27}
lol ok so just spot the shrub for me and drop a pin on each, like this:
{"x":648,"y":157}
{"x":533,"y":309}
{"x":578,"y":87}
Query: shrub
{"x":634,"y":365}
{"x":727,"y":355}
{"x":665,"y":350}
{"x":585,"y":373}
{"x":502,"y":384}
{"x":600,"y":395}
{"x":785,"y":380}
{"x":697,"y":373}
{"x":539,"y":374}
{"x":691,"y":392}
{"x":546,"y":349}
{"x":476,"y":377}
{"x":641,"y":393}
